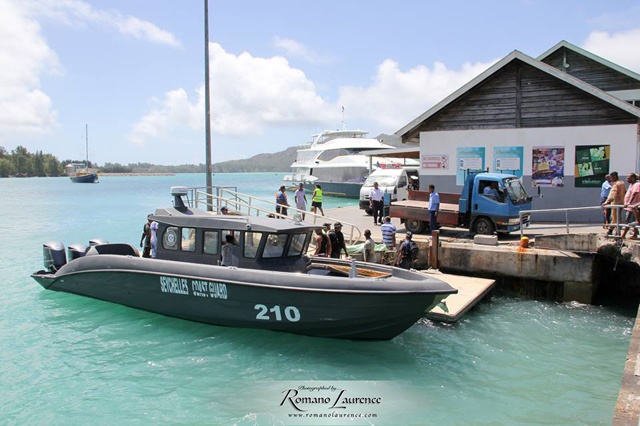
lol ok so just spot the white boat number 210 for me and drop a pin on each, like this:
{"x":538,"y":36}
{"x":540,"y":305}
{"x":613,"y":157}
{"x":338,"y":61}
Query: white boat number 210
{"x":291,"y":313}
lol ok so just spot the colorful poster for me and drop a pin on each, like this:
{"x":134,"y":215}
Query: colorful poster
{"x":470,"y":159}
{"x":592,"y":165}
{"x":435,"y":161}
{"x":547,"y":167}
{"x":508,"y":159}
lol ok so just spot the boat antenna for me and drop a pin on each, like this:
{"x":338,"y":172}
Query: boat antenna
{"x":207,"y":108}
{"x":343,"y":125}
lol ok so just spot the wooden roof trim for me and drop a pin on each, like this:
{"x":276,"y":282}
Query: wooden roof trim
{"x":412,"y":127}
{"x":591,"y":56}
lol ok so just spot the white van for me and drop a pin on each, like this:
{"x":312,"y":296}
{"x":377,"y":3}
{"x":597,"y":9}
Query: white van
{"x":392,"y":181}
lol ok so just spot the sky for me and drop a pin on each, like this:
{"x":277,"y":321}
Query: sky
{"x":280,"y":70}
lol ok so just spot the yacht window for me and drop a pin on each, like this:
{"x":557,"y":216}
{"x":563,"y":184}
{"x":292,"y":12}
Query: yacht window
{"x":188,"y":239}
{"x":251,"y":243}
{"x":297,"y":244}
{"x":211,"y":242}
{"x":170,"y":238}
{"x":274,"y":246}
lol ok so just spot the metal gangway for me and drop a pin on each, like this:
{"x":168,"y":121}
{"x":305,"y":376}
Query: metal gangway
{"x":249,"y":205}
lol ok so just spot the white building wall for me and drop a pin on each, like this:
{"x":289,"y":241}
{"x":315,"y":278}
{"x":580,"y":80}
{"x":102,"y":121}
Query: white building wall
{"x":624,"y":142}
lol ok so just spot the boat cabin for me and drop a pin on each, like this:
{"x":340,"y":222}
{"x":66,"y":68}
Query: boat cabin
{"x":191,"y":235}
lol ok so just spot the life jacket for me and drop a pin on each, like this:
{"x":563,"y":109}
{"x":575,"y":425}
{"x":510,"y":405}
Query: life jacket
{"x":317,"y":198}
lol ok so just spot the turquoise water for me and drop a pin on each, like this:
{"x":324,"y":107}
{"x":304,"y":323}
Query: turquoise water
{"x":66,"y":359}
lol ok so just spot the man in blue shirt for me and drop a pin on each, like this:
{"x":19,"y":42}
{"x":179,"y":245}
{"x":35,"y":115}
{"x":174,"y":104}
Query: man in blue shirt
{"x":604,"y":194}
{"x":434,"y":206}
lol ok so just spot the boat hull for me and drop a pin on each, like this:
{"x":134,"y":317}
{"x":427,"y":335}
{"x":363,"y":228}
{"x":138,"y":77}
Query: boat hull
{"x":357,"y":308}
{"x":87,"y":178}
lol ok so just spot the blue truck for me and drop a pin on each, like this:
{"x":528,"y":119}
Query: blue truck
{"x":489,"y":203}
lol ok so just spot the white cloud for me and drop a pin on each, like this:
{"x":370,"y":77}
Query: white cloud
{"x":24,"y":57}
{"x":396,"y":97}
{"x":294,"y":48}
{"x":620,"y":47}
{"x":248,"y":94}
{"x":79,"y":13}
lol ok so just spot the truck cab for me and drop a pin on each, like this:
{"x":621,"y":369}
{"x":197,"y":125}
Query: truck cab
{"x":491,"y":202}
{"x":396,"y":181}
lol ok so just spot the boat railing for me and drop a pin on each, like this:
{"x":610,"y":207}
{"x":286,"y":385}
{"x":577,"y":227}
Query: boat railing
{"x":227,"y":196}
{"x":617,"y":227}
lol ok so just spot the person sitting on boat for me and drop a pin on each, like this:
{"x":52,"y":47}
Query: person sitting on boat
{"x":224,"y":210}
{"x":281,"y":201}
{"x":228,"y":258}
{"x":323,"y":244}
{"x":337,"y":241}
{"x":146,"y":237}
{"x":407,"y":252}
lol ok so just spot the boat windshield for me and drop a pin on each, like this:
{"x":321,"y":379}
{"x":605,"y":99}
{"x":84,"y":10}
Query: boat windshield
{"x":515,"y":190}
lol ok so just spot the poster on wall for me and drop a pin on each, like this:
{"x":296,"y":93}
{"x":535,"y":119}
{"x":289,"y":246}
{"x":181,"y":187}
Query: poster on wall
{"x":508,"y":159}
{"x":547,"y":168}
{"x":592,"y":165}
{"x":469,"y":159}
{"x":435,"y":161}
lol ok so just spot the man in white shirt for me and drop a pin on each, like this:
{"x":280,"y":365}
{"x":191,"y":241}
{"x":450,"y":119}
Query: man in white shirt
{"x":376,"y":203}
{"x":301,"y":199}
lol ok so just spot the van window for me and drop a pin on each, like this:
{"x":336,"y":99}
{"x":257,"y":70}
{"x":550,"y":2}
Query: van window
{"x":402,"y":182}
{"x":383,"y":180}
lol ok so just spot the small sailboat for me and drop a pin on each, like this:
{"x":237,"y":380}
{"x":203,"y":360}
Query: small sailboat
{"x":80,"y":174}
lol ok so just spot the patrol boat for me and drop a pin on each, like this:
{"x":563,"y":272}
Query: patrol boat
{"x":274,"y":286}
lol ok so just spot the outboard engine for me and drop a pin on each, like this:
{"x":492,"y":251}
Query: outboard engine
{"x":178,"y":192}
{"x":75,"y":251}
{"x":53,"y":255}
{"x":97,"y":242}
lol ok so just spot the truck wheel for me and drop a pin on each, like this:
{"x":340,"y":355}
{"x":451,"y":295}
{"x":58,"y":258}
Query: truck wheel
{"x":415,"y":226}
{"x":484,"y":226}
{"x":368,"y":211}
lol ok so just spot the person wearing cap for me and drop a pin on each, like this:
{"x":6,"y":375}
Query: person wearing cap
{"x":146,"y":237}
{"x":407,"y":252}
{"x":224,"y":210}
{"x":337,"y":241}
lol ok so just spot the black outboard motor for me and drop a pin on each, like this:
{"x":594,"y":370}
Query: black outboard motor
{"x":75,"y":251}
{"x":53,"y":255}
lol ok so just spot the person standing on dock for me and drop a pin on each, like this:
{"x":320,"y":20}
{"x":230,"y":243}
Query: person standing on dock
{"x":388,"y":231}
{"x":434,"y":207}
{"x":301,"y":199}
{"x":376,"y":203}
{"x":604,"y":194}
{"x":631,"y":199}
{"x":616,"y":197}
{"x":281,"y":202}
{"x":316,"y":199}
{"x":407,"y":252}
{"x":146,"y":238}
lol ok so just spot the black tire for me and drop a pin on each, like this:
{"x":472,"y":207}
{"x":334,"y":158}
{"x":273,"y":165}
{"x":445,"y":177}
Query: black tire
{"x":484,"y":226}
{"x":368,"y":211}
{"x":415,"y":226}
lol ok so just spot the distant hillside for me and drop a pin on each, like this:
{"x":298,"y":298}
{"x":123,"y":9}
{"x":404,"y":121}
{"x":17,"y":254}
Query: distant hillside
{"x":275,"y":162}
{"x":279,"y":161}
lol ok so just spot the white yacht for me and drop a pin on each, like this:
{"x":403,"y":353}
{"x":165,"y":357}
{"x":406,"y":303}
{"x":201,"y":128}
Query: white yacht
{"x":337,"y":160}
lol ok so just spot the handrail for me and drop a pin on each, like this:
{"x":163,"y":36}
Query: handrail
{"x":225,"y":196}
{"x":567,"y":210}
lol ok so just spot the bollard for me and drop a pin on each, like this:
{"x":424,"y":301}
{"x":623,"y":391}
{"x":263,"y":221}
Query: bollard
{"x":524,"y":242}
{"x":433,"y":250}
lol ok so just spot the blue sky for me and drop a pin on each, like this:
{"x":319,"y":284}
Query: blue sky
{"x":281,"y":70}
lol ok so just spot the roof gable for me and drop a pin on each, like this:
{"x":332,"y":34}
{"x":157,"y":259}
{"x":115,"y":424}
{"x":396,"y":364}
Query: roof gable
{"x":505,"y":92}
